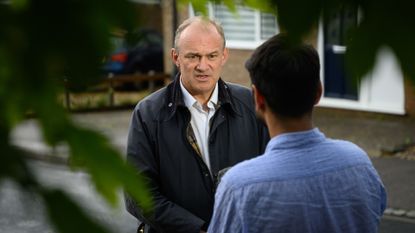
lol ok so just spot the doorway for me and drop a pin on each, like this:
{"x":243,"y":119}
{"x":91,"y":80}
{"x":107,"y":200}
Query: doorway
{"x":338,"y":83}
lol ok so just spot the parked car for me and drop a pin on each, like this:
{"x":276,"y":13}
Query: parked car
{"x":138,"y":52}
{"x":146,"y":54}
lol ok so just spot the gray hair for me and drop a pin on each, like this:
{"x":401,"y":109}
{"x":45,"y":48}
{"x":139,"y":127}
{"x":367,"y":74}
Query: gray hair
{"x":194,"y":19}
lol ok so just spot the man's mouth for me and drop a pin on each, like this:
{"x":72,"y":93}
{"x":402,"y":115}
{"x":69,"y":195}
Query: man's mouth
{"x":202,"y":76}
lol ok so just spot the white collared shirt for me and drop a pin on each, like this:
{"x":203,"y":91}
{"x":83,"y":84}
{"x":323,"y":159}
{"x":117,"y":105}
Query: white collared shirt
{"x":200,"y":119}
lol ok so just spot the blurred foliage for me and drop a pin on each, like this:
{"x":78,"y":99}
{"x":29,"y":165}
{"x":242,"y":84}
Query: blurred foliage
{"x":382,"y":23}
{"x":42,"y":43}
{"x":56,"y":201}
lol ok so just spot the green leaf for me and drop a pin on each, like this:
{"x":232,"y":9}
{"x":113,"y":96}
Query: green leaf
{"x":230,"y":5}
{"x":13,"y":166}
{"x":67,"y":216}
{"x":295,"y":20}
{"x":19,"y":4}
{"x":199,"y":6}
{"x":264,"y":6}
{"x":108,"y":170}
{"x":41,"y":43}
{"x":361,"y":51}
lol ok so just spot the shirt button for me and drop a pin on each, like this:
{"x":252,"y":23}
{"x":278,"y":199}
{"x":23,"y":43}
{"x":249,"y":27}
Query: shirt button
{"x":170,"y":104}
{"x":206,"y":174}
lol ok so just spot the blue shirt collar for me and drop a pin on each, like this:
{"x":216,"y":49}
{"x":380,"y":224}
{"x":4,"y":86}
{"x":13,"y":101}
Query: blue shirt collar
{"x":295,"y":139}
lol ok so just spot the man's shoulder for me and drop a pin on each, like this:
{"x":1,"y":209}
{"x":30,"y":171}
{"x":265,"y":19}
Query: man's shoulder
{"x":246,"y":172}
{"x":343,"y":147}
{"x":238,"y":90}
{"x":157,"y":96}
{"x":153,"y":103}
{"x":272,"y":167}
{"x":241,"y":94}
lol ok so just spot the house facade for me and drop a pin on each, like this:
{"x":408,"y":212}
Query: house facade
{"x":383,"y":90}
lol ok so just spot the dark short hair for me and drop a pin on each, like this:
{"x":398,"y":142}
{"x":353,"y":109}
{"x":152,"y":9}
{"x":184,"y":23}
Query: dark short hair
{"x":286,"y":74}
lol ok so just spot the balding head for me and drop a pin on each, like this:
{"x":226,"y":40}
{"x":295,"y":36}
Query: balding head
{"x":204,"y":23}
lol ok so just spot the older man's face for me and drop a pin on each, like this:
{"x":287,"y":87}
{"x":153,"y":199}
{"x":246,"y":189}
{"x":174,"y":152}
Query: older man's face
{"x":200,"y":58}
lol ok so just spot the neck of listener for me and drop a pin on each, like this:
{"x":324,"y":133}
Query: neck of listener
{"x":279,"y":125}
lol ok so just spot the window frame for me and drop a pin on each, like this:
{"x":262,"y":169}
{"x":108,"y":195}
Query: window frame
{"x":240,"y":44}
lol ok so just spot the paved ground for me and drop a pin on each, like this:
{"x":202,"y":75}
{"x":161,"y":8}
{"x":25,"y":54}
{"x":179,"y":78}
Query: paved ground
{"x":373,"y":132}
{"x":22,"y":212}
{"x":377,"y":134}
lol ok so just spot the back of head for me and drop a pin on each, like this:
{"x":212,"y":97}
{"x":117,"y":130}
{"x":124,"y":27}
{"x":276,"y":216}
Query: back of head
{"x":287,"y":75}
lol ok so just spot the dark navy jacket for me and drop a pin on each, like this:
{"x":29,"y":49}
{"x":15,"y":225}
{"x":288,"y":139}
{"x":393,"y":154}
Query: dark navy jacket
{"x":159,"y":146}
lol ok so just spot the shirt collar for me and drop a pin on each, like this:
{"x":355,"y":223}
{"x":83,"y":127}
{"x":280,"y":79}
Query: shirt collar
{"x":174,"y":97}
{"x":189,"y":100}
{"x":295,"y":139}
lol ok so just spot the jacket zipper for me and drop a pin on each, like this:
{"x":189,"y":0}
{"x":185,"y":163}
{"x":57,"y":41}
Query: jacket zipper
{"x":195,"y":148}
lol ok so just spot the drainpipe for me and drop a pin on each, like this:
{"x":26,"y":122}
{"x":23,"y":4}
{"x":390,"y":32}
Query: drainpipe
{"x":174,"y":25}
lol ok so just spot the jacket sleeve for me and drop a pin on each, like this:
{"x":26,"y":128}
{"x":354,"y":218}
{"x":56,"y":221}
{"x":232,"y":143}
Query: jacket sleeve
{"x":141,"y":153}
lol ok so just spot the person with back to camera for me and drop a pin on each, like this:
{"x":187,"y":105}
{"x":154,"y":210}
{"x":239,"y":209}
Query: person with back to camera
{"x":304,"y":182}
{"x":182,"y":136}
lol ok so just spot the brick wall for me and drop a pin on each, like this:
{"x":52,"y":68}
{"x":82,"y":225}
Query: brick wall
{"x":234,"y":70}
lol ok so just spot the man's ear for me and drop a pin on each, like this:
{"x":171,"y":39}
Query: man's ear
{"x":319,"y":93}
{"x":225,"y":56}
{"x":259,"y":99}
{"x":175,"y":56}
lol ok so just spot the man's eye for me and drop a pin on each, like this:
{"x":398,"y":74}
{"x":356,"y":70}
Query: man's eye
{"x":212,"y":56}
{"x":192,"y":57}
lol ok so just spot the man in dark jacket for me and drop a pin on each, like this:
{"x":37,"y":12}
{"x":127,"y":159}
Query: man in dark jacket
{"x":182,"y":136}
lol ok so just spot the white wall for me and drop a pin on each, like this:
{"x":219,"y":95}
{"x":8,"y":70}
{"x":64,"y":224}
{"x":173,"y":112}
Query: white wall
{"x":380,"y":91}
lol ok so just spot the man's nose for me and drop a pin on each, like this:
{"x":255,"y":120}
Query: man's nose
{"x":203,"y":64}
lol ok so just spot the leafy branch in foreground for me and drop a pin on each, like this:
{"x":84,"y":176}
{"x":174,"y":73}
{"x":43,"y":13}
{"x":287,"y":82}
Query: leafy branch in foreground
{"x":41,"y":43}
{"x":44,"y":41}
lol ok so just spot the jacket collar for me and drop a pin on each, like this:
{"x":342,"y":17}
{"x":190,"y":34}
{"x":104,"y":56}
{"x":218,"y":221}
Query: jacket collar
{"x":175,"y":97}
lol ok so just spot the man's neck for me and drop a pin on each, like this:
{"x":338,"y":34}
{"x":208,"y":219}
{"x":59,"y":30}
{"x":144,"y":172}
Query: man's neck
{"x":202,"y":98}
{"x":279,"y":125}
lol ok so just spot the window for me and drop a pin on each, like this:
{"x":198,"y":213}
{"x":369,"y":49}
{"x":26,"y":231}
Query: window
{"x":269,"y":26}
{"x":246,"y":29}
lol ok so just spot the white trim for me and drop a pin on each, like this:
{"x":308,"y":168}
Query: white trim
{"x":354,"y":105}
{"x":320,"y":50}
{"x":386,"y":78}
{"x":210,"y":10}
{"x":191,"y":10}
{"x":243,"y":45}
{"x":257,"y":29}
{"x":339,"y":49}
{"x":238,"y":44}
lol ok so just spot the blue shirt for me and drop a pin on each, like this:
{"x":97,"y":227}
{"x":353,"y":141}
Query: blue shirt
{"x":304,"y":182}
